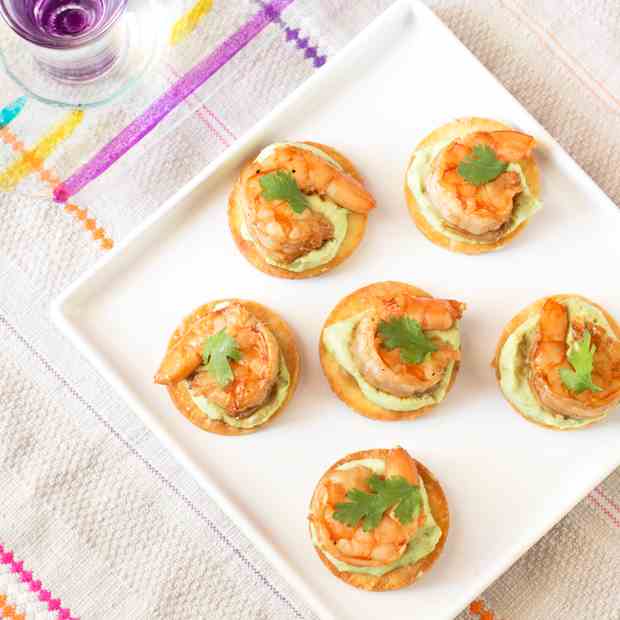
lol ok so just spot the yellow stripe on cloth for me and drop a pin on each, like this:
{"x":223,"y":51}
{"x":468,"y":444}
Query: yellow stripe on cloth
{"x":33,"y":159}
{"x":186,"y":24}
{"x":48,"y":176}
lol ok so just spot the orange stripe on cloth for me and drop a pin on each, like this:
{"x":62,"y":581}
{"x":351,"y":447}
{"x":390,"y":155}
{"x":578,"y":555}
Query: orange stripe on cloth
{"x":188,"y":22}
{"x":595,"y":86}
{"x":33,"y":159}
{"x":8,"y":611}
{"x":90,"y":224}
{"x":51,"y":178}
{"x":478,"y":608}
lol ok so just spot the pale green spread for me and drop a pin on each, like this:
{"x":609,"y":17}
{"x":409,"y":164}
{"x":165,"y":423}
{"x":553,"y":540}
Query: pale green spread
{"x":337,"y":340}
{"x":525,"y":203}
{"x":261,"y":415}
{"x":335,"y":214}
{"x":423,"y":543}
{"x":514,"y":365}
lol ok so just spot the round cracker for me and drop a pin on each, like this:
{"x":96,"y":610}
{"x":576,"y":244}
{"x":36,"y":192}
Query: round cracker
{"x":341,"y":382}
{"x":288,"y":347}
{"x":465,"y":126}
{"x":355,"y":229}
{"x":406,"y":575}
{"x":522,"y":317}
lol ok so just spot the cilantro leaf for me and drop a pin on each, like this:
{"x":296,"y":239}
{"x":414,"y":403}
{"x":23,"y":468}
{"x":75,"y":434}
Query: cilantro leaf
{"x":370,"y":507}
{"x":217,"y":350}
{"x":581,"y":358}
{"x":481,"y":165}
{"x":396,"y":490}
{"x":362,"y":506}
{"x":406,"y":334}
{"x":281,"y":185}
{"x":409,"y":507}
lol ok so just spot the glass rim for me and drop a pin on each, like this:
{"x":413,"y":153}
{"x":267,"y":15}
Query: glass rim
{"x":58,"y":43}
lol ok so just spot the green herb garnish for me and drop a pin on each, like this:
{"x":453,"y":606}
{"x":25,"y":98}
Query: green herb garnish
{"x":370,"y":507}
{"x":406,"y":334}
{"x":481,"y":165}
{"x":281,"y":185}
{"x":217,"y":350}
{"x":581,"y":358}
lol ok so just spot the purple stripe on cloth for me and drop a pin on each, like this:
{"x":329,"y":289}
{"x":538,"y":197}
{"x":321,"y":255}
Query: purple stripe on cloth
{"x":293,"y":34}
{"x":160,"y":108}
{"x":311,"y":52}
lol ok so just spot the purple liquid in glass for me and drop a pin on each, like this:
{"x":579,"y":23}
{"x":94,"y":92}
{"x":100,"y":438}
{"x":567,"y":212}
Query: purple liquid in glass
{"x":67,"y":18}
{"x":61,"y":23}
{"x":80,"y":30}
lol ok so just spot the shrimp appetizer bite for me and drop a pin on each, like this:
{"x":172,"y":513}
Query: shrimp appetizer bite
{"x":231,"y":366}
{"x":558,"y":362}
{"x":391,"y":351}
{"x":378,"y":519}
{"x":472,"y":185}
{"x":298,"y":209}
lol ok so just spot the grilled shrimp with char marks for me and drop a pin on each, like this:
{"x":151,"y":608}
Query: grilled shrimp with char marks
{"x":384,"y":368}
{"x":481,"y":211}
{"x":549,"y":355}
{"x":281,"y":232}
{"x":255,"y":373}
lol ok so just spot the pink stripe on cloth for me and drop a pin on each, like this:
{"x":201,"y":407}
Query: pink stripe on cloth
{"x":215,"y":117}
{"x":161,"y":107}
{"x":35,"y":585}
{"x":610,"y":500}
{"x":612,"y":518}
{"x":199,"y":112}
{"x":594,"y":85}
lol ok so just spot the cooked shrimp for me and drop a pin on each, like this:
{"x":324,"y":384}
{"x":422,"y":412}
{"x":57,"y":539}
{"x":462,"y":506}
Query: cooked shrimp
{"x":383,"y":368}
{"x":280,"y":231}
{"x":429,"y":312}
{"x":254,"y":373}
{"x":549,"y":355}
{"x":388,"y":541}
{"x":477,"y":210}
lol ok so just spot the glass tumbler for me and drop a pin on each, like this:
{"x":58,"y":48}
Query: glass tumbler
{"x":79,"y":52}
{"x":72,"y":40}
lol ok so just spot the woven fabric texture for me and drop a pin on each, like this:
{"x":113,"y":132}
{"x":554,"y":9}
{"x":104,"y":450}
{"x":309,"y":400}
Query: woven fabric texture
{"x":97,"y":521}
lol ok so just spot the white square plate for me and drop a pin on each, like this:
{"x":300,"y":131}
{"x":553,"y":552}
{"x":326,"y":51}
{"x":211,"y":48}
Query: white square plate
{"x":507,"y":481}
